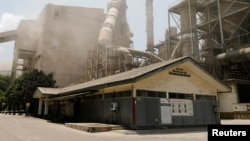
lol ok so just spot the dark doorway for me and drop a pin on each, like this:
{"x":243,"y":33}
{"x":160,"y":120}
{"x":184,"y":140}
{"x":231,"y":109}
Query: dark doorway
{"x":244,"y":93}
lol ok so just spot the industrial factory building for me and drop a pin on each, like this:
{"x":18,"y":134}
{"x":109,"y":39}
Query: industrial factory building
{"x":216,"y":33}
{"x":197,"y":75}
{"x":59,"y":38}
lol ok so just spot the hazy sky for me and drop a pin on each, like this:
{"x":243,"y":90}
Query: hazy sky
{"x":12,"y":11}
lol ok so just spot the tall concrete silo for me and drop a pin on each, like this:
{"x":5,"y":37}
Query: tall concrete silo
{"x":57,"y":42}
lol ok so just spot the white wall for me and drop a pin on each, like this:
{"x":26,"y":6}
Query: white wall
{"x":163,"y":81}
{"x":227,"y":100}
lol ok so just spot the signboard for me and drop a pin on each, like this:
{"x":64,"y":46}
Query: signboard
{"x":166,"y":117}
{"x":182,"y":107}
{"x":240,"y":107}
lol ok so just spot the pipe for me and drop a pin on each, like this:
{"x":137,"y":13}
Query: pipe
{"x":146,"y":54}
{"x":106,"y":32}
{"x":221,"y":25}
{"x":235,"y":56}
{"x":174,"y":53}
{"x":140,"y":53}
{"x":150,"y":25}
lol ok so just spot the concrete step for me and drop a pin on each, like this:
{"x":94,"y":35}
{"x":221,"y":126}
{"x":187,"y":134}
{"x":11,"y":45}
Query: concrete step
{"x":94,"y":127}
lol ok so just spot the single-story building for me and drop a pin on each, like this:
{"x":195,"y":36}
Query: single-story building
{"x":177,"y":92}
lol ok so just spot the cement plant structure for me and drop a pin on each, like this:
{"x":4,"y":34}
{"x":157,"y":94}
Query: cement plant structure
{"x":216,"y":33}
{"x":213,"y":32}
{"x":84,"y":47}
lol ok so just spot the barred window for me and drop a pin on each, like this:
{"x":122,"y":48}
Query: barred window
{"x":181,"y":96}
{"x":205,"y":97}
{"x":145,"y":93}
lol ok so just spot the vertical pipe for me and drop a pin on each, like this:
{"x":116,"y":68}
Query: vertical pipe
{"x":150,"y":25}
{"x":169,"y":38}
{"x":97,"y":62}
{"x":106,"y":62}
{"x":220,"y":21}
{"x":119,"y":61}
{"x":191,"y":28}
{"x":107,"y":31}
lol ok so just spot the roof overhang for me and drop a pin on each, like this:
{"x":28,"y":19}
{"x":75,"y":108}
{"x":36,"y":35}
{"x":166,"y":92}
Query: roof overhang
{"x":56,"y":93}
{"x":221,"y":86}
{"x":42,"y":92}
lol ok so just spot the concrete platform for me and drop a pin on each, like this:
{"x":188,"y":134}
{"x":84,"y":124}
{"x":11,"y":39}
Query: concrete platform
{"x":99,"y":127}
{"x":162,"y":130}
{"x":93,"y":127}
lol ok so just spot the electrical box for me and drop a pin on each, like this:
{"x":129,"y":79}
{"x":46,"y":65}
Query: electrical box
{"x":113,"y":106}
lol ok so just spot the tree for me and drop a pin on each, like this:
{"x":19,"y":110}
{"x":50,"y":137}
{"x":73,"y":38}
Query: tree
{"x":4,"y":83}
{"x":21,"y":90}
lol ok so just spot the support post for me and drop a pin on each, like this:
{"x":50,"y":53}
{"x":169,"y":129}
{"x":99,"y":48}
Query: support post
{"x":40,"y":107}
{"x":46,"y":108}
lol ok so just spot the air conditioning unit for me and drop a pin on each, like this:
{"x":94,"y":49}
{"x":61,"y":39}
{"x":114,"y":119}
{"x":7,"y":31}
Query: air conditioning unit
{"x":113,"y":106}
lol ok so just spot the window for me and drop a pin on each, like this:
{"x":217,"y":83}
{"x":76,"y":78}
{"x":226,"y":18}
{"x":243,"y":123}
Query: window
{"x":152,"y":94}
{"x":141,"y":93}
{"x":162,"y":94}
{"x":99,"y":96}
{"x":173,"y":95}
{"x":118,"y":94}
{"x":108,"y":95}
{"x":127,"y":93}
{"x":205,"y":97}
{"x":181,"y":96}
{"x":144,"y":93}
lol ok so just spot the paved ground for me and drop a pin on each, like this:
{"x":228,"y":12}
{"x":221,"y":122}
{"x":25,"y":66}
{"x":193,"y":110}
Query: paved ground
{"x":20,"y":128}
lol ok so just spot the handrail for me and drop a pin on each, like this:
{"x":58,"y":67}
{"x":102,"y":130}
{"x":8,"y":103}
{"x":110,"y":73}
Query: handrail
{"x":236,"y":76}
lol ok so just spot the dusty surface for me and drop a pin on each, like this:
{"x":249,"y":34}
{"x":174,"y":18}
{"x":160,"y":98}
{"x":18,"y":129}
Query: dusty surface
{"x":21,"y":128}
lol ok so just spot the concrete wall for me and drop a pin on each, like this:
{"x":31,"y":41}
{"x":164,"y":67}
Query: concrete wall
{"x":28,"y":34}
{"x":61,"y":38}
{"x":227,"y":100}
{"x":68,"y":34}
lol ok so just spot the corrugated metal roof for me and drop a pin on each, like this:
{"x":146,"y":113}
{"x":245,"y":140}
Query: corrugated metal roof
{"x":116,"y":79}
{"x":128,"y":75}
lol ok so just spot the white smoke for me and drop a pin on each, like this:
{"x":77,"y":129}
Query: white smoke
{"x":9,"y":21}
